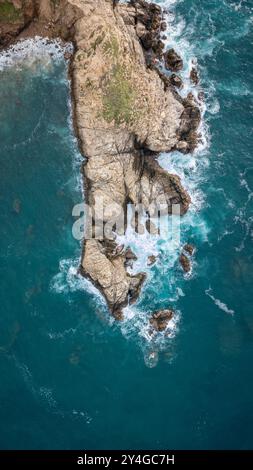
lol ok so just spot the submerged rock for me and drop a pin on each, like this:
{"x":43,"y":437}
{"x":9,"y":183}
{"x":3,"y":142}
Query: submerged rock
{"x":16,"y":206}
{"x":160,"y":319}
{"x":201,"y":96}
{"x":163,"y":26}
{"x":151,"y":358}
{"x":173,"y":61}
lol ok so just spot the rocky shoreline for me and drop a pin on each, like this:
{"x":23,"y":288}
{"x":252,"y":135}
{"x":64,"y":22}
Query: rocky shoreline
{"x":126,"y":111}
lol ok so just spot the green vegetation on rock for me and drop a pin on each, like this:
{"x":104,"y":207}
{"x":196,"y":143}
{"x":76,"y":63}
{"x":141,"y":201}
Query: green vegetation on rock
{"x":118,"y":97}
{"x":8,"y":12}
{"x":111,"y":47}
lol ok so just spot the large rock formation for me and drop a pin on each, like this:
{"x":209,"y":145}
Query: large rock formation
{"x":125,"y":114}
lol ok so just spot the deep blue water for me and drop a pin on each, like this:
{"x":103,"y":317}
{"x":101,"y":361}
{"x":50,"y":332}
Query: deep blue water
{"x":69,"y":377}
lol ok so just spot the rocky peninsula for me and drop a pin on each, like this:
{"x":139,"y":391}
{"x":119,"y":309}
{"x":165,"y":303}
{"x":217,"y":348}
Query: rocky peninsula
{"x":126,"y":111}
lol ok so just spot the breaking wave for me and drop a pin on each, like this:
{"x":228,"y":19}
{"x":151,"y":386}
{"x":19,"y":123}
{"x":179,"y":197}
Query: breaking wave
{"x":30,"y":53}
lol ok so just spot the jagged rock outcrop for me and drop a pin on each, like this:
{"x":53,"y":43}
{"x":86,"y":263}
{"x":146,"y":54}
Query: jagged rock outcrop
{"x":125,"y":111}
{"x":109,"y":274}
{"x":190,"y":121}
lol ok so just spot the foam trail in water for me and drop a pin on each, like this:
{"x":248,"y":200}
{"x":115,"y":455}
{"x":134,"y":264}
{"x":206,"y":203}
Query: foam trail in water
{"x":44,"y":395}
{"x":221,"y":305}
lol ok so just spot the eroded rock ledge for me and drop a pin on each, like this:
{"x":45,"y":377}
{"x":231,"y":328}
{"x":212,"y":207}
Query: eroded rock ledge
{"x":126,"y":112}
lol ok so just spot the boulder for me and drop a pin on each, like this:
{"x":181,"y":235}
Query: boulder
{"x":185,"y":263}
{"x":194,"y":76}
{"x":201,"y":96}
{"x":176,"y":81}
{"x":189,"y":248}
{"x":173,"y":61}
{"x":163,"y":26}
{"x":151,"y":260}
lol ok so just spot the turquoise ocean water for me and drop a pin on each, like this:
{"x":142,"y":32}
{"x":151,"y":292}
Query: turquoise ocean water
{"x":71,"y":378}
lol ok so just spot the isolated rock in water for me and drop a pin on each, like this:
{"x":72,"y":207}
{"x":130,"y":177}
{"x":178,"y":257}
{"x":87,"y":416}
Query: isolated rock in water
{"x":160,"y":319}
{"x":194,"y":76}
{"x":189,"y":249}
{"x":185,"y":263}
{"x":151,"y":260}
{"x":173,"y":61}
{"x":176,"y":81}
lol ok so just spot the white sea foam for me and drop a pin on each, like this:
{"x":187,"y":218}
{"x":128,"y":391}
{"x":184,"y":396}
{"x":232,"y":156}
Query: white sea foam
{"x":136,"y":321}
{"x":68,"y":280}
{"x":61,"y":334}
{"x":164,"y":280}
{"x":221,"y":305}
{"x":243,"y":214}
{"x":30,"y":52}
{"x":45,"y":395}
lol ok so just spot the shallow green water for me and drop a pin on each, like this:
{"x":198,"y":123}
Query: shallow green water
{"x":71,"y":379}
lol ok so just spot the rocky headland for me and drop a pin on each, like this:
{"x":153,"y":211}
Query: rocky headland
{"x":126,"y":111}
